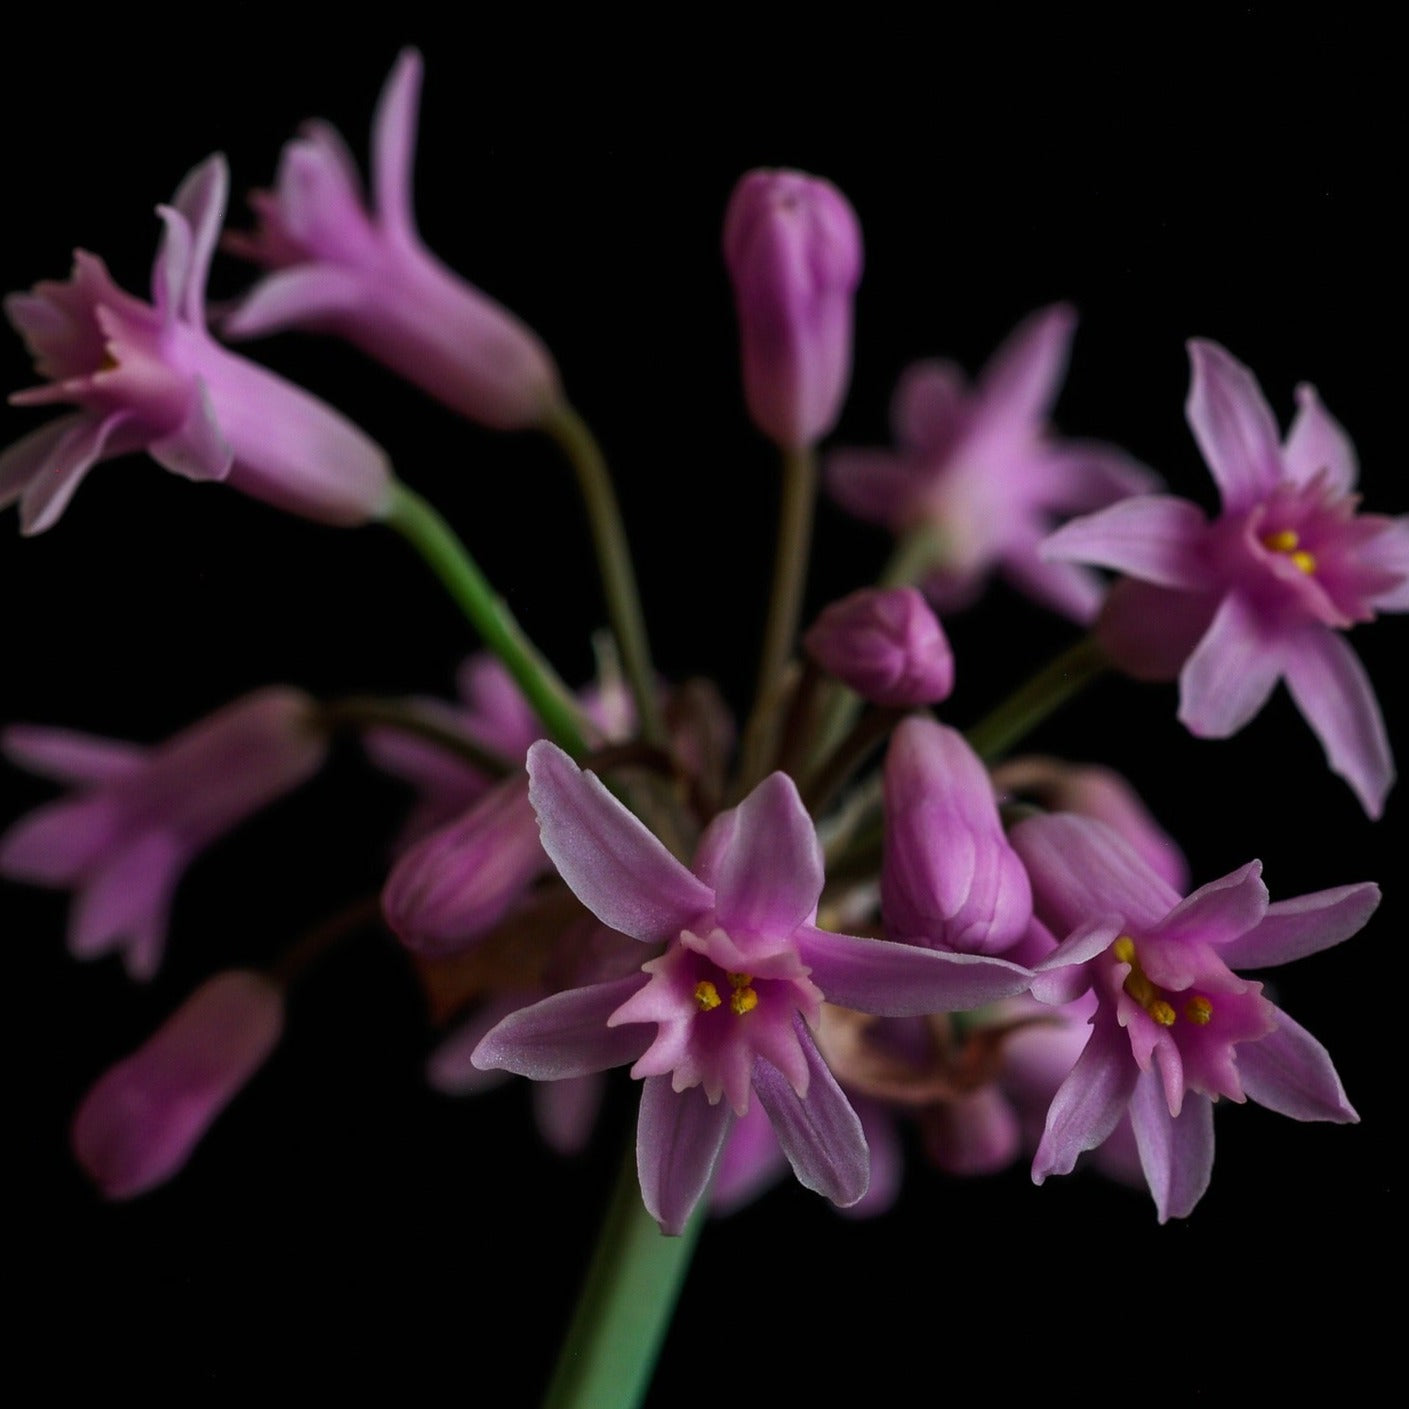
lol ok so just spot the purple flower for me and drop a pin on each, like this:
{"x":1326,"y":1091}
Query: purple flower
{"x":140,"y":1123}
{"x":1263,"y":592}
{"x":1175,"y":1028}
{"x":886,"y":644}
{"x":978,"y":472}
{"x":150,"y":377}
{"x":792,"y":244}
{"x":141,"y":814}
{"x":367,"y":277}
{"x":724,"y":1011}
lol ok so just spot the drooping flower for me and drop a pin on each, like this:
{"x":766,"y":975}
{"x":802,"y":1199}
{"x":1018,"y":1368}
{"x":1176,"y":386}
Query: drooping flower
{"x":366,"y":276}
{"x":140,"y":815}
{"x":887,"y":645}
{"x":1263,"y":592}
{"x":143,"y":1119}
{"x":978,"y":472}
{"x":792,"y":245}
{"x":1174,"y":1028}
{"x":150,"y":377}
{"x":725,"y":1009}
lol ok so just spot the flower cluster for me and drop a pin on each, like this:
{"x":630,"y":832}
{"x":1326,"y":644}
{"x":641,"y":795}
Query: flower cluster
{"x":807,"y":928}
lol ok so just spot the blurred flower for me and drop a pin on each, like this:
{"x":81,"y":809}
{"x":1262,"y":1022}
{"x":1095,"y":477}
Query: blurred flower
{"x":150,"y":377}
{"x":366,"y":275}
{"x":887,"y":645}
{"x":792,"y":244}
{"x":978,"y":472}
{"x":143,"y":1119}
{"x":140,"y":815}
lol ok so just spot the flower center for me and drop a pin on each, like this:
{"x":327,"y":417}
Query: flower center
{"x":1197,"y":1007}
{"x":744,"y":998}
{"x":1288,"y":542}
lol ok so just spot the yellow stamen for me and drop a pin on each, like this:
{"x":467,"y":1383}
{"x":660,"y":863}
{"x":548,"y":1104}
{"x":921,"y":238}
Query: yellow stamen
{"x":1283,"y":541}
{"x":1198,"y":1009}
{"x":742,"y":1000}
{"x":1304,"y":560}
{"x":1124,"y":949}
{"x":1161,"y":1012}
{"x":707,"y":995}
{"x":739,"y":980}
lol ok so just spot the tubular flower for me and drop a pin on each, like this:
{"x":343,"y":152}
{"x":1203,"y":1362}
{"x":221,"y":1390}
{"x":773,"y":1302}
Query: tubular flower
{"x":1263,"y":592}
{"x":367,"y":277}
{"x":792,"y":244}
{"x":1174,"y":1028}
{"x":142,"y":814}
{"x":977,"y":472}
{"x":725,"y":1009}
{"x":150,"y":377}
{"x":140,"y":1123}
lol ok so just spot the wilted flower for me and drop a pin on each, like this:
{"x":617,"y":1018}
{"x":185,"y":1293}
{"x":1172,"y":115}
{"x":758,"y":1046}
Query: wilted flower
{"x":1263,"y":592}
{"x":150,"y":377}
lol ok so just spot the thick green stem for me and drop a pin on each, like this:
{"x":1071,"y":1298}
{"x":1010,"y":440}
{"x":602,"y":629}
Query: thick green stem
{"x":450,"y":560}
{"x":784,"y":606}
{"x":1039,"y":697}
{"x":625,"y":1305}
{"x":623,"y":598}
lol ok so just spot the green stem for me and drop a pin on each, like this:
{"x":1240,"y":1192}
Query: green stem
{"x":625,"y":1306}
{"x":422,"y":527}
{"x":1042,"y":695}
{"x":784,"y":605}
{"x":623,"y":598}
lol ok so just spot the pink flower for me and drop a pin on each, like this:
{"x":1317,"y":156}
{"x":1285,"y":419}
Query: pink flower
{"x":143,"y":1119}
{"x":978,"y":470}
{"x":725,"y":1009}
{"x":366,"y":276}
{"x":886,"y":644}
{"x":1263,"y":592}
{"x":1174,"y":1028}
{"x":140,"y":815}
{"x":793,"y":247}
{"x":150,"y":377}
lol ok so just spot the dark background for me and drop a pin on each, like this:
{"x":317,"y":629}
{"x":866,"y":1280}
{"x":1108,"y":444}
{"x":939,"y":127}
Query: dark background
{"x":1210,"y":174}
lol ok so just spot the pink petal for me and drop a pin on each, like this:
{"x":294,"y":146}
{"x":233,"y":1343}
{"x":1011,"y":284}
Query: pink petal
{"x":127,"y":902}
{"x":1075,"y":592}
{"x":394,"y":147}
{"x":1233,"y":425}
{"x":66,"y":756}
{"x":1061,"y":977}
{"x":820,"y":1133}
{"x":565,"y":1111}
{"x":197,"y":450}
{"x":1290,"y":1072}
{"x":903,"y":980}
{"x":566,"y":1035}
{"x":1334,"y":694}
{"x":609,"y":859}
{"x":1154,"y":537}
{"x":309,"y":294}
{"x":200,"y":203}
{"x":451,"y":1067}
{"x":1150,"y":632}
{"x":679,"y":1136}
{"x":55,"y":844}
{"x":877,"y":486}
{"x":1176,"y":1152}
{"x":1292,"y":929}
{"x":86,"y":441}
{"x":887,"y":1160}
{"x":1318,"y":444}
{"x":931,"y":409}
{"x":1020,"y":383}
{"x":751,"y":1163}
{"x":1389,"y":553}
{"x":1219,"y":912}
{"x":770,"y":875}
{"x":1231,"y":672}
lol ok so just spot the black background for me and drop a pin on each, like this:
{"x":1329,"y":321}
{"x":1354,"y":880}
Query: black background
{"x":1210,"y":174}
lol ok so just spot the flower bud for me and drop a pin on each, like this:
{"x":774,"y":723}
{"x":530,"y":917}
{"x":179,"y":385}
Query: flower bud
{"x":140,"y":1123}
{"x":457,"y":883}
{"x":887,"y":644}
{"x":792,"y":244}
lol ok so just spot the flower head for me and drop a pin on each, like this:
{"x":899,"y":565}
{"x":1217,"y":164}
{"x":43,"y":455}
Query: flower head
{"x":979,"y":473}
{"x":724,"y":1009}
{"x":1263,"y":592}
{"x":1174,"y":1028}
{"x":150,"y":377}
{"x":141,"y":814}
{"x":366,"y":275}
{"x":792,"y":244}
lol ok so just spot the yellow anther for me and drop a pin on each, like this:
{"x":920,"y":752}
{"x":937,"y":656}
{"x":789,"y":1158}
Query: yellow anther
{"x":1283,"y":541}
{"x":1198,"y":1009}
{"x":739,"y":980}
{"x":1161,"y":1012}
{"x":743,"y":1000}
{"x":1140,"y":988}
{"x":1304,"y":560}
{"x":1124,"y":949}
{"x":707,"y":995}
